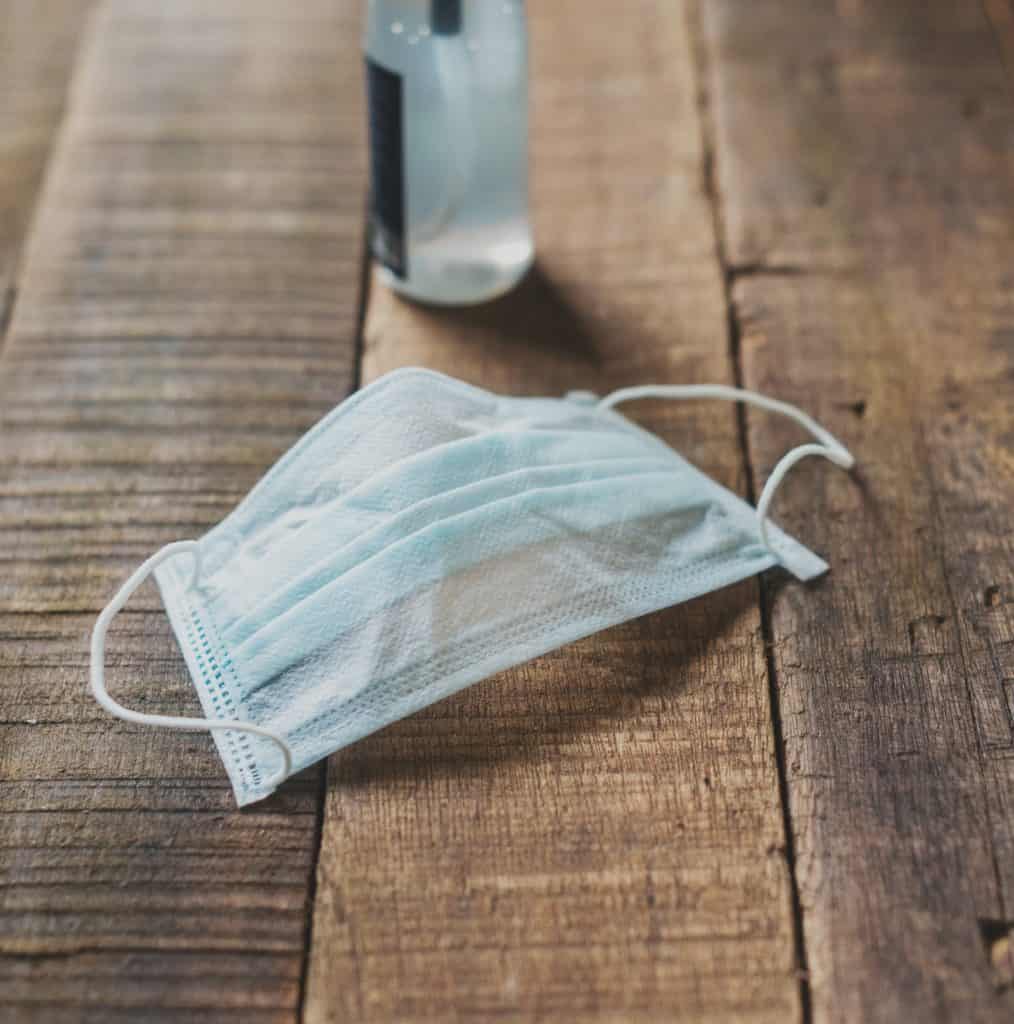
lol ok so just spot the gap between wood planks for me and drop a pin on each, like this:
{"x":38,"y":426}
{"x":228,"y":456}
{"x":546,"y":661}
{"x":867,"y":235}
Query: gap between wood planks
{"x":701,"y":65}
{"x":362,"y":304}
{"x":7,"y":300}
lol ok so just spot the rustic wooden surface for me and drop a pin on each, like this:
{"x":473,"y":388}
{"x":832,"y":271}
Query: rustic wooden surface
{"x":779,"y":803}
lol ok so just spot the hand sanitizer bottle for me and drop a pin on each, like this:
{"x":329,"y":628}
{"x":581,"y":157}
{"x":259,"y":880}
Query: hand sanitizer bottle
{"x":447,"y":87}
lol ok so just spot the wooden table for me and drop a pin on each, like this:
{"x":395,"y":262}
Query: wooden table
{"x":778,"y":803}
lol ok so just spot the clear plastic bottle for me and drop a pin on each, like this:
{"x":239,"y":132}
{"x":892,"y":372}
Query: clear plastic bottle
{"x":447,"y":84}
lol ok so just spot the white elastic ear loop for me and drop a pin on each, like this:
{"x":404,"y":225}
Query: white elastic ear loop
{"x":829,"y":448}
{"x":98,"y":670}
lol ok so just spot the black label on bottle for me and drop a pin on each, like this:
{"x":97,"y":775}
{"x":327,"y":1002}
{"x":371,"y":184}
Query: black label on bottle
{"x":387,"y":168}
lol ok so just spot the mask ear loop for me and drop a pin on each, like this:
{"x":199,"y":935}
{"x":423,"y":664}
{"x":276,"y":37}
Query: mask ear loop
{"x":829,"y":447}
{"x":98,"y":671}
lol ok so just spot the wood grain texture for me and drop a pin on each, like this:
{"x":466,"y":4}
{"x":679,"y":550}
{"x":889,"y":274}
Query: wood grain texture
{"x":597,"y":834}
{"x":865,"y":155}
{"x":188,"y":307}
{"x":38,"y":43}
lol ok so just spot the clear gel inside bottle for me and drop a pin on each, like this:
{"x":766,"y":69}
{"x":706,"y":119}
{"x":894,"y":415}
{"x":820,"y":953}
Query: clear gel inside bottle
{"x":448,"y":95}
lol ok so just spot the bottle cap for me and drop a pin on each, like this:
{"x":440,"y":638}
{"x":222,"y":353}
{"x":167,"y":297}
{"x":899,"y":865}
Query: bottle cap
{"x":445,"y":17}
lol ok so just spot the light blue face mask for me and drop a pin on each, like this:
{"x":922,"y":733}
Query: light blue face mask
{"x":427,"y":534}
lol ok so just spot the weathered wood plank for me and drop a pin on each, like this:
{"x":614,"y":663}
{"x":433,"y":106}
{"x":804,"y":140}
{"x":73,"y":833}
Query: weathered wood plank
{"x":37,"y":47}
{"x":596,"y":835}
{"x":865,"y":156}
{"x":188,"y":307}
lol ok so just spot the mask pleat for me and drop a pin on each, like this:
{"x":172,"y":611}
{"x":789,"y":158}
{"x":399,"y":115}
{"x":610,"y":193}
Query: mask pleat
{"x":294,"y":541}
{"x":643,"y":514}
{"x":331,"y":565}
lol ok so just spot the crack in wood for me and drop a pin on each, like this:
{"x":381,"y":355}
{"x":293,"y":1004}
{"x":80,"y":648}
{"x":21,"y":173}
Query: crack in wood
{"x":730,"y":273}
{"x":362,"y":307}
{"x":7,"y":301}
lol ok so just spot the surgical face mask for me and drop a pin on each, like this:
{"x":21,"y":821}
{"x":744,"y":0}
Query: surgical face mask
{"x":428,"y":534}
